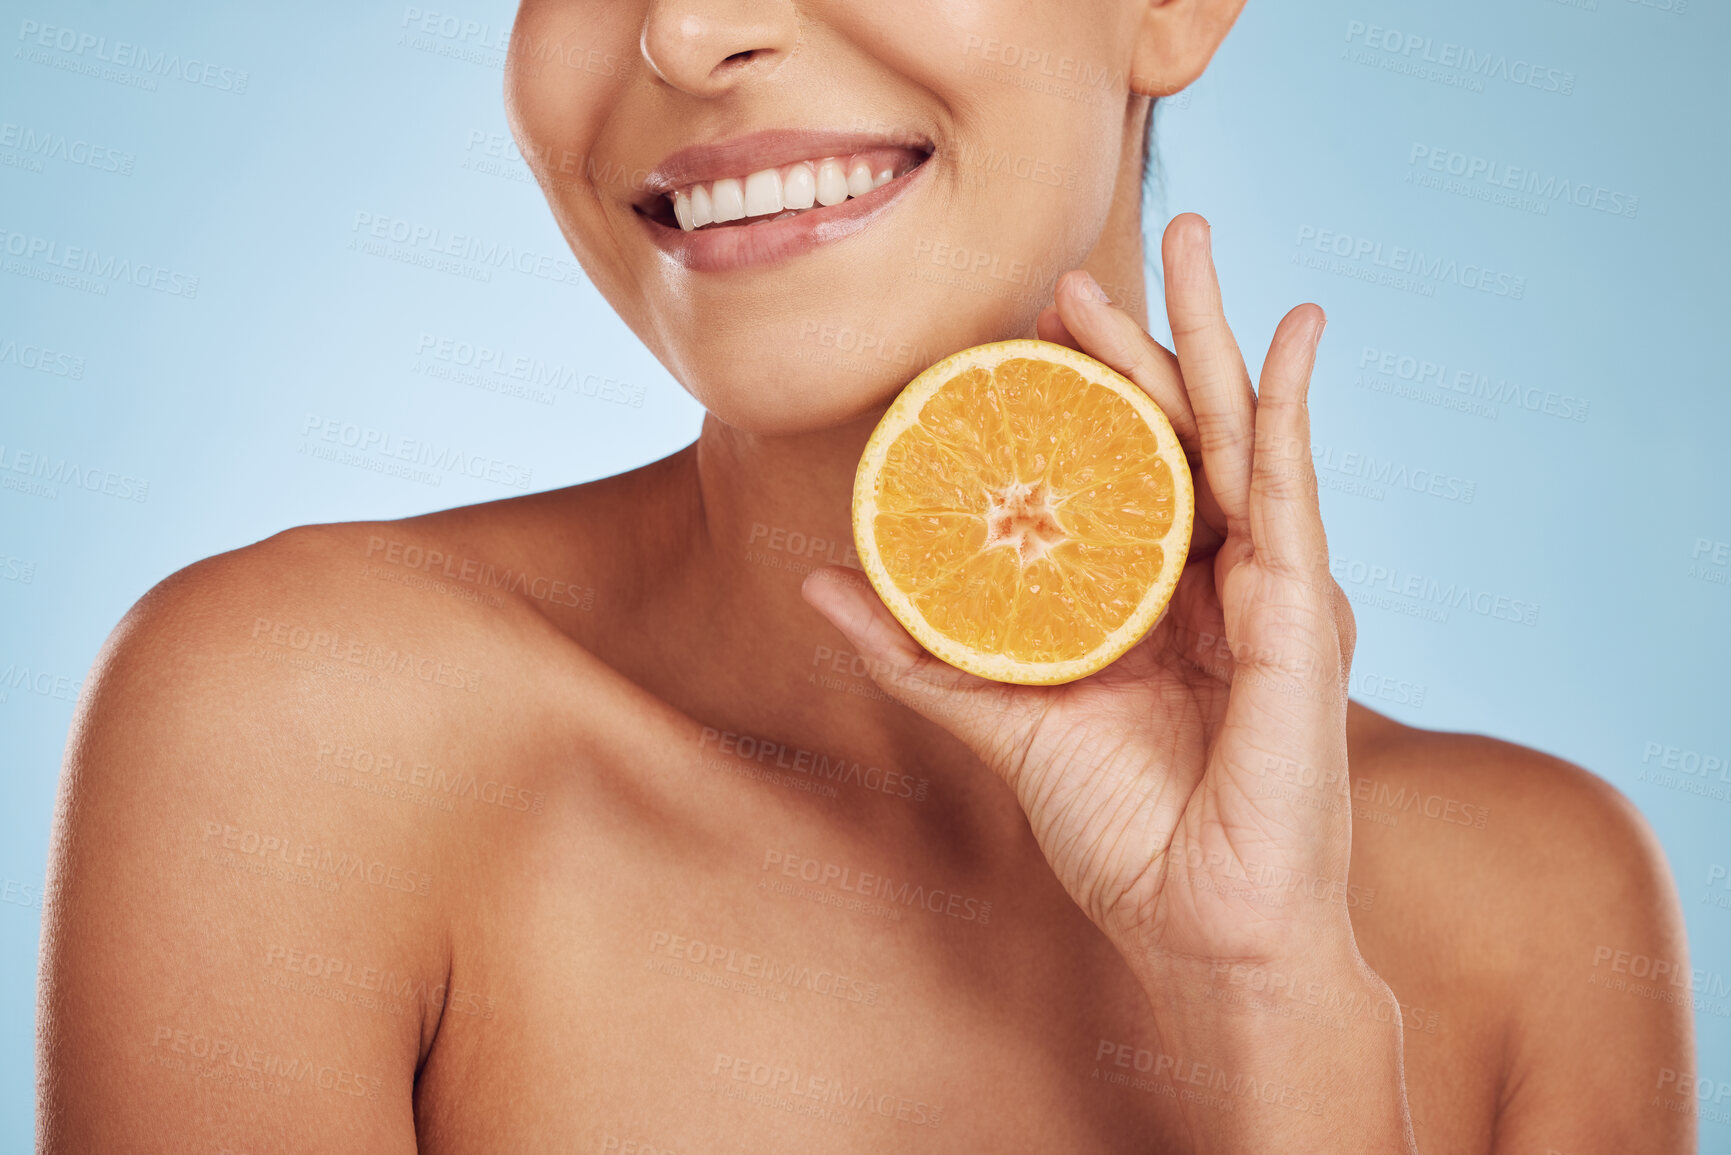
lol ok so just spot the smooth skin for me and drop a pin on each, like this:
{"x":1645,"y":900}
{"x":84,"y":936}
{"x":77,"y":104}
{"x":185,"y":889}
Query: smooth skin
{"x":362,"y":851}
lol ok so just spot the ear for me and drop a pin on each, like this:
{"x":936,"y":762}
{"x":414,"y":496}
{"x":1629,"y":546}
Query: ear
{"x":1176,"y":40}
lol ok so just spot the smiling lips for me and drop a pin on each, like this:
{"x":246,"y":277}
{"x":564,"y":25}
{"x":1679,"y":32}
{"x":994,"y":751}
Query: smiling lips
{"x":757,"y":200}
{"x":789,"y":190}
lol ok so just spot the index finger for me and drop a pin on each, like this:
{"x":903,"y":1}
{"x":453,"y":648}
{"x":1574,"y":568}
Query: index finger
{"x":1112,"y":337}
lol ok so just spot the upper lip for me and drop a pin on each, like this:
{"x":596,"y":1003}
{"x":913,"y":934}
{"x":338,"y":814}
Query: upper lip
{"x":771,"y":148}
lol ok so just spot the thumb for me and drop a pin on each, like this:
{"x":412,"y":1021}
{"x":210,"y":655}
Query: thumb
{"x":993,"y":718}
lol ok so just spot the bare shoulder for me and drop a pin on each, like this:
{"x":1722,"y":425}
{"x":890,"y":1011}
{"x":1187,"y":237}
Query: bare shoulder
{"x":286,"y":761}
{"x":1531,"y":842}
{"x":1527,"y":903}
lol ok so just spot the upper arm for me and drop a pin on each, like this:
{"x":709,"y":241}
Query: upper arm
{"x":1600,"y":1042}
{"x":233,"y":956}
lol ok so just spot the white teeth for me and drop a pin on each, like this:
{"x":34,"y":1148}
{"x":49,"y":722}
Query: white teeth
{"x":769,"y":192}
{"x":799,"y":188}
{"x":729,"y":199}
{"x":831,"y":182}
{"x":859,"y":179}
{"x":763,"y":193}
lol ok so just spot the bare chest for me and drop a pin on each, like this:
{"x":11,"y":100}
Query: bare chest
{"x":737,"y":971}
{"x":721,"y":964}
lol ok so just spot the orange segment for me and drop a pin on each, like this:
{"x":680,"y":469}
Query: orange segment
{"x":1024,"y":511}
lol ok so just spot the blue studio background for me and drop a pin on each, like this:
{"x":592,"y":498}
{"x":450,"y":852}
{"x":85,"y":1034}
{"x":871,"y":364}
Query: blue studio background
{"x":1521,"y":403}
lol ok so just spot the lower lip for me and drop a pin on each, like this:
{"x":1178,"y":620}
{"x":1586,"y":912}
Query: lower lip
{"x":769,"y":242}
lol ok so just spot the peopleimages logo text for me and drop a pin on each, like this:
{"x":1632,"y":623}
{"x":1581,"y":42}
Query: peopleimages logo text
{"x":90,"y":263}
{"x":66,"y":471}
{"x":46,"y":145}
{"x":1480,"y":64}
{"x":1371,"y":577}
{"x":467,"y":247}
{"x":418,"y":451}
{"x":1545,"y":187}
{"x":1411,"y":262}
{"x":122,"y":54}
{"x":1472,"y":383}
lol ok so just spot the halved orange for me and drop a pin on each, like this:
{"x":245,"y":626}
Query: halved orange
{"x":1024,"y":512}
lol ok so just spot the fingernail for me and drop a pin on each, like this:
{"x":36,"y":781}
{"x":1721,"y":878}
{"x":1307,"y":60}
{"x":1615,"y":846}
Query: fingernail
{"x":1091,"y":288}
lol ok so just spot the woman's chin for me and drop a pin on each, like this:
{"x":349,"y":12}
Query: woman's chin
{"x":827,"y":362}
{"x":831,"y":407}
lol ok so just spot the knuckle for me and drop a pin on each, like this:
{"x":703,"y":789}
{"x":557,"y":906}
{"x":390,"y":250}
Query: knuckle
{"x":1282,"y":447}
{"x":1301,"y":580}
{"x":1187,"y":321}
{"x":1217,"y":430}
{"x":1217,"y":358}
{"x":1282,"y":481}
{"x":1138,"y":358}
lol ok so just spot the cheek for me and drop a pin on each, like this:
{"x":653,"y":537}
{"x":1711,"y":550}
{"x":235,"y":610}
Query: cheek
{"x":567,"y":67}
{"x":1036,"y":96}
{"x":570,"y":67}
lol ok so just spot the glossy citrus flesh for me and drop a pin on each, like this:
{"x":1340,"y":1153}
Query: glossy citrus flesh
{"x":1024,"y":511}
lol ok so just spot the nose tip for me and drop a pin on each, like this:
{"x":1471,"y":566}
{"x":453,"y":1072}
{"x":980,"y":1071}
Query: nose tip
{"x":705,"y":47}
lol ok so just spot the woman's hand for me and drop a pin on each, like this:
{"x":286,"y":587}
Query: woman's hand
{"x":1193,"y":797}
